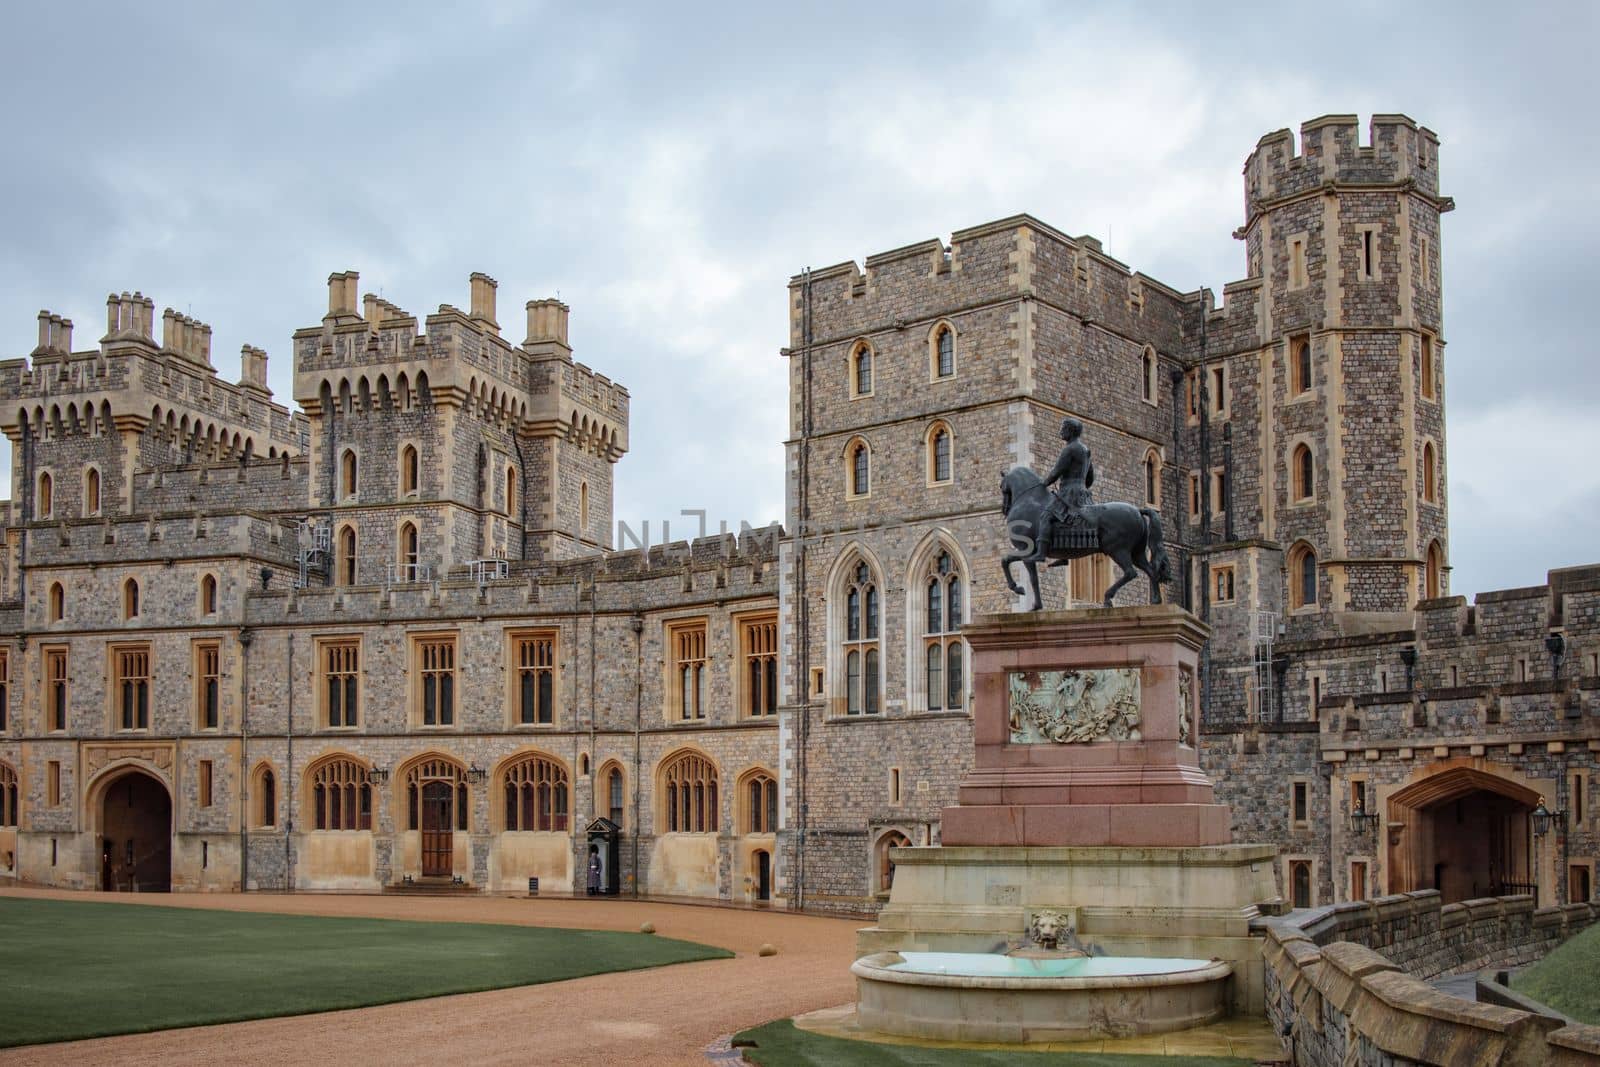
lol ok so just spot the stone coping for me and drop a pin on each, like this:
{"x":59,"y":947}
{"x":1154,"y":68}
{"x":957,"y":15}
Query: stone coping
{"x":1086,"y":626}
{"x":1095,"y":855}
{"x":1332,"y":992}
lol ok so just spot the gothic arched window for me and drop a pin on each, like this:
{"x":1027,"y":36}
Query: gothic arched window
{"x":1302,"y":577}
{"x":861,"y":657}
{"x":939,"y":441}
{"x":689,"y":795}
{"x":861,"y":369}
{"x":536,"y":794}
{"x":944,"y":653}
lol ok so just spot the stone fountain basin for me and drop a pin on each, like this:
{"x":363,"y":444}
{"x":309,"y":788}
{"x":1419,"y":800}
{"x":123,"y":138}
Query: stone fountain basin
{"x":981,"y":996}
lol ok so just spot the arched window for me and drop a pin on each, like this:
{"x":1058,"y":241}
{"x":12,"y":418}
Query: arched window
{"x":760,"y":803}
{"x":408,"y":552}
{"x":346,"y":566}
{"x":341,"y":795}
{"x":885,"y":865}
{"x":266,"y":794}
{"x":944,"y":653}
{"x":944,"y":351}
{"x":1152,"y":478}
{"x":1304,"y":474}
{"x":1430,"y":475}
{"x":583,"y":506}
{"x":91,"y":492}
{"x":409,"y":471}
{"x":861,"y":369}
{"x":536,"y":794}
{"x":862,"y":611}
{"x":860,"y":468}
{"x":46,"y":495}
{"x":1300,"y":366}
{"x":511,"y":494}
{"x":436,"y":778}
{"x":615,"y":806}
{"x":1302,"y":577}
{"x":8,"y":795}
{"x":689,"y":795}
{"x":347,"y":474}
{"x":130,"y":599}
{"x":1147,"y":375}
{"x":208,"y":595}
{"x":58,"y":601}
{"x":1434,"y":576}
{"x":939,"y":454}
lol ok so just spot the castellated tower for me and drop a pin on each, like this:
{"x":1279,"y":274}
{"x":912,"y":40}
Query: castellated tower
{"x":1326,"y":367}
{"x":81,"y":424}
{"x":434,"y":449}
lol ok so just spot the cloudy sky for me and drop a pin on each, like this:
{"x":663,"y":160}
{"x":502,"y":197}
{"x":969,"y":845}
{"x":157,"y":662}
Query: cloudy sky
{"x":666,"y":168}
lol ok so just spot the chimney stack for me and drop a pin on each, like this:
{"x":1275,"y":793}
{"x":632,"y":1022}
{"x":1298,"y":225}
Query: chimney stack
{"x":371,"y":310}
{"x":253,"y":368}
{"x":547,"y":327}
{"x":483,"y":299}
{"x":342,"y":293}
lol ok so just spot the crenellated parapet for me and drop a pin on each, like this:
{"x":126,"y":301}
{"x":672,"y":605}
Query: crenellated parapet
{"x":382,"y":355}
{"x":83,"y":422}
{"x":1331,"y":154}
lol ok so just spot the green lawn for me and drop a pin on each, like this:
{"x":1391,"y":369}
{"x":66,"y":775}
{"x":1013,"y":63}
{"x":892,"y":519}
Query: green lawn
{"x":1568,"y":979}
{"x":779,"y":1044}
{"x":76,"y":969}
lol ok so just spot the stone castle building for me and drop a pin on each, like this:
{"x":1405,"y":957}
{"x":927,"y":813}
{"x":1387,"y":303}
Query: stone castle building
{"x":386,"y":638}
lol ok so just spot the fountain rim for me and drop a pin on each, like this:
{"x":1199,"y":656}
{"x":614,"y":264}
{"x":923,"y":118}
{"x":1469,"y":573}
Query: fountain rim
{"x":875,"y":968}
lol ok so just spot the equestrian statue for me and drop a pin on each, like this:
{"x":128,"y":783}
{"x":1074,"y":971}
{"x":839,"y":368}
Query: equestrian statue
{"x":1068,"y":524}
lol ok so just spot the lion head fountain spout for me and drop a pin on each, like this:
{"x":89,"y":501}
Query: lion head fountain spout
{"x":1050,"y":934}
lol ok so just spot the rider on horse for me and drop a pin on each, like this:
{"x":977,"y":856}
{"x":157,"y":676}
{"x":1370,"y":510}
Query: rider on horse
{"x":1074,"y":471}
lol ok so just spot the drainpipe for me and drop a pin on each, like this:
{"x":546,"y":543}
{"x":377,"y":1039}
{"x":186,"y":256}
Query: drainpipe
{"x":288,"y":778}
{"x":245,"y":637}
{"x":802,"y":604}
{"x":638,"y":730}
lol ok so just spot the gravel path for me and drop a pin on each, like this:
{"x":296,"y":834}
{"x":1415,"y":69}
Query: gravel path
{"x":666,"y":1015}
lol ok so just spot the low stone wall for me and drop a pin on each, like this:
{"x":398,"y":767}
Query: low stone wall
{"x":1347,"y":984}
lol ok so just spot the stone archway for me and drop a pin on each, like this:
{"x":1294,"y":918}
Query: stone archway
{"x":1462,"y":830}
{"x":135,"y":853}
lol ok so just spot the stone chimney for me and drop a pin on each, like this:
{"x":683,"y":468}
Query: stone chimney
{"x":342,"y":293}
{"x":483,"y":297}
{"x":55,"y":334}
{"x":253,"y":368}
{"x":547,"y":328}
{"x":185,"y":337}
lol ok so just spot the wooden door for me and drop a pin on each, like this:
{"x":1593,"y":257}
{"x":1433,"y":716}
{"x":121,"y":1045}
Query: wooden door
{"x":437,"y":851}
{"x":763,"y":876}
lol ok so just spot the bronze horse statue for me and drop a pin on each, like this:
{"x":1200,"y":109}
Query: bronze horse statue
{"x":1130,"y":535}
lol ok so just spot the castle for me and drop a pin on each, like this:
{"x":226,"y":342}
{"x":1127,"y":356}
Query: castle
{"x":386,"y":639}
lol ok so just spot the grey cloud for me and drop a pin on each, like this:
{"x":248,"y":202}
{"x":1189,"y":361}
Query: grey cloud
{"x":667,"y":168}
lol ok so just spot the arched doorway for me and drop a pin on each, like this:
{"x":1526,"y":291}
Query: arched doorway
{"x":1464,"y":832}
{"x":885,"y":864}
{"x":136,"y":835}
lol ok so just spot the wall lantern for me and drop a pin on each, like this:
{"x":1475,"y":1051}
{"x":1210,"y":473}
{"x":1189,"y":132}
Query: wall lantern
{"x":1361,"y":821}
{"x":1543,"y":818}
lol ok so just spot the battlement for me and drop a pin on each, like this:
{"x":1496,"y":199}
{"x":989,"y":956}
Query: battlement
{"x":718,"y":568}
{"x":455,"y":358}
{"x":130,"y":383}
{"x":1331,"y":153}
{"x":1007,"y":258}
